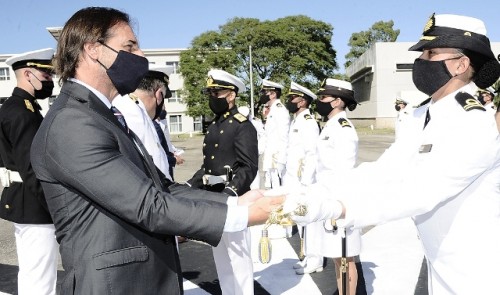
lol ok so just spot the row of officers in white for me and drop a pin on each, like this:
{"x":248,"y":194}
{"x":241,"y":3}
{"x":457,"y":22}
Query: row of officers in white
{"x":443,"y":170}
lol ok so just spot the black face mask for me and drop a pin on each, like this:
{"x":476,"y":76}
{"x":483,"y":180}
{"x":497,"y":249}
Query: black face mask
{"x":397,"y":107}
{"x":292,"y":107}
{"x":429,"y":76}
{"x":159,"y":109}
{"x":163,"y":115}
{"x":45,"y":91}
{"x":127,"y":71}
{"x":264,"y":98}
{"x":218,"y":105}
{"x":323,"y":108}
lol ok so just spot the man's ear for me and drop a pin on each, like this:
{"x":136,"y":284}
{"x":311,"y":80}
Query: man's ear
{"x":463,"y":65}
{"x":92,"y":49}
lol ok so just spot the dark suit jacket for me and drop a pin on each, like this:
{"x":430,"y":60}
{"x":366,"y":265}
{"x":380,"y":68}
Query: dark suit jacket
{"x":22,"y":202}
{"x":115,"y":229}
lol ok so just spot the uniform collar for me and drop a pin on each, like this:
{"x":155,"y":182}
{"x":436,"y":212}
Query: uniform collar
{"x":228,"y":114}
{"x":446,"y":104}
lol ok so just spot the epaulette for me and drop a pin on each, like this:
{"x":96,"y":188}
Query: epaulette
{"x":29,"y":106}
{"x":423,"y":102}
{"x":307,"y":117}
{"x":239,"y":117}
{"x":279,"y":104}
{"x":468,"y":102}
{"x":344,"y":123}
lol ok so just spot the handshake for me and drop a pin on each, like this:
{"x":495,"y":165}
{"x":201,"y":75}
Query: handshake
{"x":280,"y":206}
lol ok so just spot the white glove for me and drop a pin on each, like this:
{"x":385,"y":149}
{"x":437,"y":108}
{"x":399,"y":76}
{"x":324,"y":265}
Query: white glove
{"x":317,"y":208}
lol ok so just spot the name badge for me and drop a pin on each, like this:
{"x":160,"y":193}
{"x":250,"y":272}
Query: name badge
{"x":425,"y":148}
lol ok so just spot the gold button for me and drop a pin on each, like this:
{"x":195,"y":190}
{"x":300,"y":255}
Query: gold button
{"x":216,"y":145}
{"x":213,"y":122}
{"x":209,"y":170}
{"x":208,"y":132}
{"x":204,"y":157}
{"x":230,"y":121}
{"x":213,"y":157}
{"x":222,"y":131}
{"x":204,"y":144}
{"x":7,"y":207}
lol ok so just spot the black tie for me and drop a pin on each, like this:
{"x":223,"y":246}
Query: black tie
{"x":119,"y":116}
{"x":427,"y":118}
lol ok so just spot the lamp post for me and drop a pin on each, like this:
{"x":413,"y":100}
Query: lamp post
{"x":251,"y":82}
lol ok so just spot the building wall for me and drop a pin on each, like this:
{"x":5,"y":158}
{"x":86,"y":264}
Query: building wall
{"x":174,"y":106}
{"x":382,"y":74}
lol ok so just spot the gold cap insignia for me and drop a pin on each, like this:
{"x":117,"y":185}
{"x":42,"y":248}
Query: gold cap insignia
{"x":430,"y":23}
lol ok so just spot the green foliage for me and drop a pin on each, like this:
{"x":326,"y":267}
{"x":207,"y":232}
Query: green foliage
{"x":360,"y":42}
{"x":294,"y":48}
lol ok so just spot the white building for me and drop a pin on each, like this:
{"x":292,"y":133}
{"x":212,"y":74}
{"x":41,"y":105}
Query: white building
{"x":379,"y":76}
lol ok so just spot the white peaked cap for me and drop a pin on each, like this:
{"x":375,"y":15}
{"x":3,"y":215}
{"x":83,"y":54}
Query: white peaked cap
{"x":41,"y":56}
{"x":167,"y":70}
{"x":294,"y":88}
{"x":223,"y":80}
{"x":271,"y":84}
{"x":338,"y":83}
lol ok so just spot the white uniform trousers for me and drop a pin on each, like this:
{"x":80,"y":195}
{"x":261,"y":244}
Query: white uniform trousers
{"x":314,"y":259}
{"x":37,"y":250}
{"x":234,"y":264}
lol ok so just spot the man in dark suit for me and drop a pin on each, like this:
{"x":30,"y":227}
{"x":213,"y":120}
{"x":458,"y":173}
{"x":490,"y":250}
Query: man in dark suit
{"x":115,"y":225}
{"x":23,"y":201}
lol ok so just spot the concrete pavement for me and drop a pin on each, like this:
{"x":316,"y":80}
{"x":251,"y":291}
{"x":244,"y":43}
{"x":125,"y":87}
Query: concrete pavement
{"x":372,"y":144}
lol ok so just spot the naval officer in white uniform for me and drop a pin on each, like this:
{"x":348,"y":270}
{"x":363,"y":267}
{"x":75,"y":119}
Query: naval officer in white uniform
{"x":445,"y":174}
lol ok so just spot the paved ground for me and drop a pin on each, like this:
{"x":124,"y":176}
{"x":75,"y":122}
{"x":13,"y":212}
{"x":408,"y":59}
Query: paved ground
{"x":197,"y":260}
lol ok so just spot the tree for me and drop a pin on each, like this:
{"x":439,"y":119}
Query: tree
{"x":360,"y":42}
{"x":294,"y":48}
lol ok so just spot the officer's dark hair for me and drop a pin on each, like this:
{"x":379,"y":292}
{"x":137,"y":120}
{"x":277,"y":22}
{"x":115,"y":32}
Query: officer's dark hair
{"x":151,"y":84}
{"x":278,"y":92}
{"x":88,"y":25}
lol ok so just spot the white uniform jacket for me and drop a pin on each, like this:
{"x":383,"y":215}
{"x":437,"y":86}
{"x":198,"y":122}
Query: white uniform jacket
{"x":141,"y":124}
{"x":337,"y":152}
{"x":337,"y":147}
{"x":301,"y":155}
{"x":277,"y":125}
{"x":447,"y":177}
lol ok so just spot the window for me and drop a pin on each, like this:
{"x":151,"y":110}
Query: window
{"x":404,"y":67}
{"x":4,"y":74}
{"x":175,"y":123}
{"x":175,"y":96}
{"x":174,"y":64}
{"x":197,"y":124}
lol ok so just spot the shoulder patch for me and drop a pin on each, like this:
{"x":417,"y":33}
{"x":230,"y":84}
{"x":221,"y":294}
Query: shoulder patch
{"x":468,"y":102}
{"x":344,"y":123}
{"x":279,"y":105}
{"x":29,"y":106}
{"x":239,"y":117}
{"x":308,"y":117}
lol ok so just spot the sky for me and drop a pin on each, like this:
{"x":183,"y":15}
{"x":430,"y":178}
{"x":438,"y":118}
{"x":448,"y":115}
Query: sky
{"x":173,"y":24}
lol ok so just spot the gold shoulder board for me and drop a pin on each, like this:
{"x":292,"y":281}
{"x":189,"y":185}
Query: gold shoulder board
{"x":468,"y":102}
{"x":239,"y":117}
{"x":29,"y":106}
{"x":344,"y":123}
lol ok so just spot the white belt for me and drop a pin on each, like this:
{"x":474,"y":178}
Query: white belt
{"x":7,"y":177}
{"x":209,"y":179}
